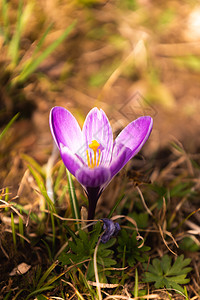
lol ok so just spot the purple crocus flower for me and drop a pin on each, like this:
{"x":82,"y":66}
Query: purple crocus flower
{"x":90,"y":154}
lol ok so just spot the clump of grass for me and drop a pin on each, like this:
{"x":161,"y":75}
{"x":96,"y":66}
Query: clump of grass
{"x":17,"y":66}
{"x":87,"y":266}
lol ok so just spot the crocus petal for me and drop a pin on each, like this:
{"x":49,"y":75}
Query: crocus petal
{"x":96,"y":177}
{"x":119,"y":161}
{"x":65,"y":128}
{"x":129,"y":142}
{"x":70,"y":160}
{"x":97,"y":127}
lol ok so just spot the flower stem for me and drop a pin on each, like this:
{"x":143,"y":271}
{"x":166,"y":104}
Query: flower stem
{"x":93,"y":195}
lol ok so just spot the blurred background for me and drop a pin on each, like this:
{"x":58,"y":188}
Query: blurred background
{"x":128,"y":57}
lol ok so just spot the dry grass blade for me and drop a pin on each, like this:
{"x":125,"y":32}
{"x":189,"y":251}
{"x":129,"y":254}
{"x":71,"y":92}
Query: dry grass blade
{"x":117,"y":72}
{"x":143,"y":201}
{"x":96,"y":269}
{"x":73,"y":287}
{"x":69,"y":219}
{"x":164,"y":241}
{"x":104,"y":285}
{"x":13,"y":208}
{"x":48,"y":169}
{"x":134,"y":223}
{"x":195,"y":229}
{"x":152,"y":296}
{"x":5,"y":205}
{"x":3,"y":250}
{"x":21,"y":236}
{"x":195,"y":292}
{"x":127,"y":218}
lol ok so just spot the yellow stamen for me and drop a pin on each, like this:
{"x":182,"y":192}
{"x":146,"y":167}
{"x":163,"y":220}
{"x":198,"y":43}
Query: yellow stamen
{"x":98,"y":158}
{"x":88,"y":158}
{"x":93,"y":162}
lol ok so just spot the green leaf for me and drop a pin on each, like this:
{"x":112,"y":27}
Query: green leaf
{"x":106,"y":261}
{"x":6,"y":25}
{"x":84,"y":236}
{"x":131,"y":261}
{"x":149,"y":277}
{"x":41,"y":297}
{"x":8,"y":126}
{"x":31,"y":161}
{"x":166,"y":263}
{"x":180,"y":279}
{"x":175,"y":286}
{"x":157,"y":266}
{"x":41,"y":185}
{"x":133,"y":252}
{"x":40,"y":291}
{"x":106,"y":252}
{"x":164,"y":274}
{"x":73,"y":199}
{"x":14,"y":43}
{"x":188,"y":244}
{"x":35,"y":62}
{"x":177,"y":267}
{"x":109,"y":244}
{"x":82,"y":248}
{"x":46,"y":274}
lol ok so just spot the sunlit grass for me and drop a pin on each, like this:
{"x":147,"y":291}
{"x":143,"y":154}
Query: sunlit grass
{"x":47,"y":279}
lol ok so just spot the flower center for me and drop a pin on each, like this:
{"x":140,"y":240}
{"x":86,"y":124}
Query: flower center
{"x":92,"y":161}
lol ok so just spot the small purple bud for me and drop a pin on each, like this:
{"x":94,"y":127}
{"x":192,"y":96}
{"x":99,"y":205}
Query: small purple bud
{"x":117,"y":229}
{"x":111,"y":230}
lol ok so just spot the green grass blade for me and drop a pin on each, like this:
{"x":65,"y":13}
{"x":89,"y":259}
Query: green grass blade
{"x":186,"y":293}
{"x":5,"y":20}
{"x":136,"y":284}
{"x":41,"y":41}
{"x":21,"y":229}
{"x":40,"y":183}
{"x":40,"y":291}
{"x":53,"y":231}
{"x":6,"y":197}
{"x":13,"y":231}
{"x":7,"y":297}
{"x":34,"y":164}
{"x":115,"y":206}
{"x":16,"y":296}
{"x":59,"y":177}
{"x":123,"y":265}
{"x":33,"y":216}
{"x":46,"y":274}
{"x":14,"y":43}
{"x":73,"y":199}
{"x":8,"y":126}
{"x":27,"y":64}
{"x":34,"y":64}
{"x":48,"y":249}
{"x":88,"y":287}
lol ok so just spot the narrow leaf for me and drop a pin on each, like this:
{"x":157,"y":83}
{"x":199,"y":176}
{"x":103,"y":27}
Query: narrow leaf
{"x":73,"y":199}
{"x":37,"y":61}
{"x":46,"y":274}
{"x":8,"y":126}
